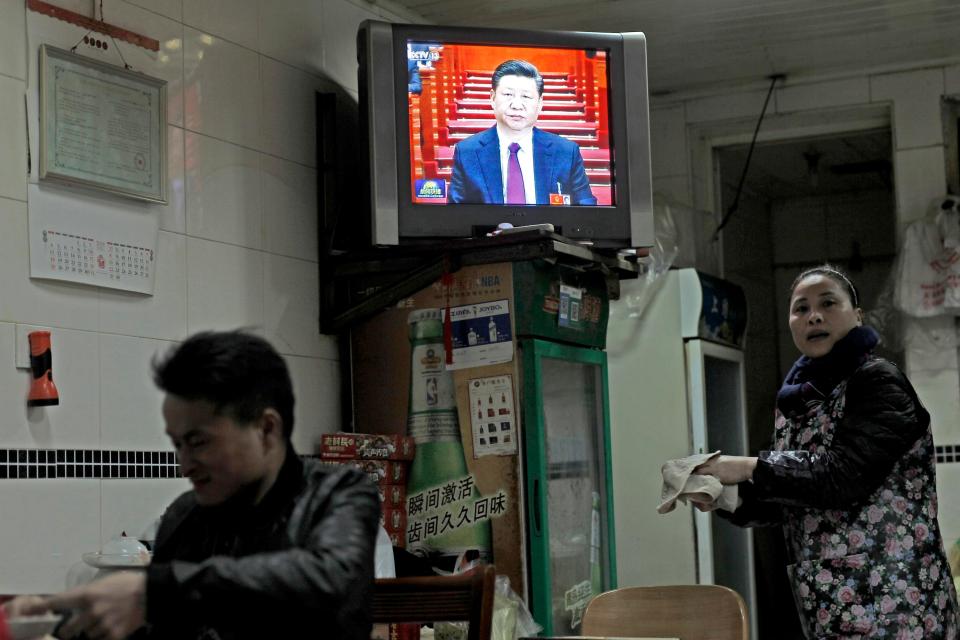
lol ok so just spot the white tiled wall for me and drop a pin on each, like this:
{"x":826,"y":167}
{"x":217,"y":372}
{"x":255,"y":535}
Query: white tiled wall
{"x":51,"y":524}
{"x":668,"y":145}
{"x":233,"y":21}
{"x":916,"y":105}
{"x":221,"y":88}
{"x":288,"y":99}
{"x":823,"y":94}
{"x":129,"y":403}
{"x":290,"y":32}
{"x":223,"y":192}
{"x":13,"y":33}
{"x":237,"y":248}
{"x":13,"y":163}
{"x":951,"y":78}
{"x":948,"y":479}
{"x":133,"y":506}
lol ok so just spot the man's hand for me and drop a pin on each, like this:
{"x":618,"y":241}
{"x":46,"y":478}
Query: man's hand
{"x":110,"y":608}
{"x":25,"y":606}
{"x":728,"y":469}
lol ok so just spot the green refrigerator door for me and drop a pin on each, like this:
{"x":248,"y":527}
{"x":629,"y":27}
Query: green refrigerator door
{"x":569,"y":494}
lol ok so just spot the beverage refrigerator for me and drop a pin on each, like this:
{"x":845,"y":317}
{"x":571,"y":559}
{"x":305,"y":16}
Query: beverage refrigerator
{"x":499,"y":373}
{"x":676,"y":372}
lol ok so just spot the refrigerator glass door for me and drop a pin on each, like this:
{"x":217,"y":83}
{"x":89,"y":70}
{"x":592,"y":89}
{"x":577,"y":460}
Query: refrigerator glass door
{"x":715,"y":380}
{"x":568,"y":475}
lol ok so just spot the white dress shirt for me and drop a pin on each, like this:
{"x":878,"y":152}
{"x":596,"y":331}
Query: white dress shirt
{"x":525,"y":156}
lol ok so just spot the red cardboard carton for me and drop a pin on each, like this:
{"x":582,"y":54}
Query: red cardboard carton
{"x":382,"y":472}
{"x":392,"y":495}
{"x":368,"y":446}
{"x":394,"y":520}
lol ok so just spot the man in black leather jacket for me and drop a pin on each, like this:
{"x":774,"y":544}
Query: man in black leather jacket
{"x":265,"y":544}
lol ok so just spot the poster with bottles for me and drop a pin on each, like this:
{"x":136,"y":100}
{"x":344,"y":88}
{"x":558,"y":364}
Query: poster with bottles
{"x":493,"y":416}
{"x":480,"y":334}
{"x":463,"y":493}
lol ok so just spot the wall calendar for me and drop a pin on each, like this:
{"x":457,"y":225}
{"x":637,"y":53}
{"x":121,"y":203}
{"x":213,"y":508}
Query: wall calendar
{"x":84,"y":256}
{"x":96,"y":242}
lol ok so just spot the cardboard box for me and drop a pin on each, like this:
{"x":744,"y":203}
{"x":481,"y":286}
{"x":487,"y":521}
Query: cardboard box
{"x":394,"y":520}
{"x":368,"y":446}
{"x":382,"y":472}
{"x":396,"y":631}
{"x":398,"y":540}
{"x":393,"y":495}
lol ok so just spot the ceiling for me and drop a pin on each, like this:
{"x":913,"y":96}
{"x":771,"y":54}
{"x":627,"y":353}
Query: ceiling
{"x":853,"y":162}
{"x":699,"y":43}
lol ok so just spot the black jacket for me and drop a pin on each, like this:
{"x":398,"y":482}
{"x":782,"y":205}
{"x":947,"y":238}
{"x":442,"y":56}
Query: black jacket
{"x":882,"y":421}
{"x":300,"y":560}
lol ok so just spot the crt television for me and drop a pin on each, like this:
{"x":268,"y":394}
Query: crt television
{"x":424,"y":89}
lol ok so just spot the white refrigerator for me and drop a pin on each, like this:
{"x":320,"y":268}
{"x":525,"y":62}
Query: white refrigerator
{"x":676,"y":382}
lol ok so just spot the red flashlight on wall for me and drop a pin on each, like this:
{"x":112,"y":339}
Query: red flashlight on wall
{"x":42,"y":390}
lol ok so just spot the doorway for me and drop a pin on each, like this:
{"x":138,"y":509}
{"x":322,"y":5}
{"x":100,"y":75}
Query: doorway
{"x":804,"y":201}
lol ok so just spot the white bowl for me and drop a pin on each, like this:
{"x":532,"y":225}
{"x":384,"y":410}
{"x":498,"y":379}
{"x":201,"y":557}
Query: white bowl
{"x":124,"y":546}
{"x":30,"y":627}
{"x":116,"y":560}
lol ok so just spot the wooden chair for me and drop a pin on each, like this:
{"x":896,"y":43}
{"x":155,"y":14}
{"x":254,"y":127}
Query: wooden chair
{"x":466,"y":597}
{"x":688,"y":612}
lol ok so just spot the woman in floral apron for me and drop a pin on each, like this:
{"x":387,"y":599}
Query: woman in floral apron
{"x":851,"y":478}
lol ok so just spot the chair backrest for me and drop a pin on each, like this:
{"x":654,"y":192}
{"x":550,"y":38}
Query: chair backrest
{"x":466,"y":597}
{"x":688,"y":612}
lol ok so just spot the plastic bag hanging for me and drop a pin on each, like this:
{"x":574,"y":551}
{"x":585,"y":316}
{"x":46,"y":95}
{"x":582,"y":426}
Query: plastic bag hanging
{"x":927,"y":269}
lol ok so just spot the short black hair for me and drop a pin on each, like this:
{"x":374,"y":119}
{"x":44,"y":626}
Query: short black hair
{"x":517,"y":68}
{"x":835,"y":274}
{"x":238,"y":372}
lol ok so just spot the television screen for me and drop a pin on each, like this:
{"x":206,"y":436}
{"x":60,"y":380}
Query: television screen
{"x":468,"y":103}
{"x":468,"y":128}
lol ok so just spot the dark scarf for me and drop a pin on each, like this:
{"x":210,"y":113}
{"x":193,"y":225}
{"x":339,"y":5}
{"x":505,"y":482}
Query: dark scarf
{"x":811,"y":380}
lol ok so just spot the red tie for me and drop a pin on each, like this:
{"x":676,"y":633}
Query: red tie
{"x":516,"y":194}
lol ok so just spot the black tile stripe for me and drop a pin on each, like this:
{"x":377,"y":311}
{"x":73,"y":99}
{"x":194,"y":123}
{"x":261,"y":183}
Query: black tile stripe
{"x":115,"y":464}
{"x":948,"y":453}
{"x":87,"y":463}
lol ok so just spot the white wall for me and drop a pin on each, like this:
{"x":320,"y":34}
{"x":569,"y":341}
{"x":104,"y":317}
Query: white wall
{"x":648,"y":426}
{"x":237,"y":247}
{"x":685,"y":128}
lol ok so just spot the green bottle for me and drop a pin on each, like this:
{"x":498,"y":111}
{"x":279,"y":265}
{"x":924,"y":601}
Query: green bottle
{"x":440,"y":459}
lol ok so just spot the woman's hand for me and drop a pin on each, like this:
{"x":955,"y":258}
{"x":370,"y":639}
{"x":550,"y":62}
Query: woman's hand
{"x":729,"y":469}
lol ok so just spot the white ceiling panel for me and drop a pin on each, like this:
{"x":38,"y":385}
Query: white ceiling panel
{"x":699,"y":43}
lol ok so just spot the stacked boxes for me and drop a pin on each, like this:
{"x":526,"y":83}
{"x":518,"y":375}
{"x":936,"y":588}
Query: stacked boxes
{"x":385,"y":459}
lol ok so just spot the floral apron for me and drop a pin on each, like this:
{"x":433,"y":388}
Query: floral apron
{"x":877,"y":570}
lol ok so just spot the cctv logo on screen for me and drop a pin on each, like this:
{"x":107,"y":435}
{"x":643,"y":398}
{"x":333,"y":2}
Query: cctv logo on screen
{"x":431,"y":189}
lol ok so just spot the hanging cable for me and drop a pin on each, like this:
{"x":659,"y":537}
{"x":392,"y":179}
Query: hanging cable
{"x":743,"y":176}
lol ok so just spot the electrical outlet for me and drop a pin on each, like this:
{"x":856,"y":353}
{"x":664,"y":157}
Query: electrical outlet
{"x":23,"y":343}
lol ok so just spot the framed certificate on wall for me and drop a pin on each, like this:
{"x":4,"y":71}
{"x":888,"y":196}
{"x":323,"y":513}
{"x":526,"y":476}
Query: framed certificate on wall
{"x":102,"y":126}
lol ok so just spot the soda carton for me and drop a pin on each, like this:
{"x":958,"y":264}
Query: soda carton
{"x":381,"y":472}
{"x":394,"y":521}
{"x":366,"y":446}
{"x":392,"y":495}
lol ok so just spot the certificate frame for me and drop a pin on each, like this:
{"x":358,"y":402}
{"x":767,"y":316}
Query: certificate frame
{"x":102,"y":126}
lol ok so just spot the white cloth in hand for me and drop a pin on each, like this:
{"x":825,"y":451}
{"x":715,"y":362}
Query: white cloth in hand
{"x":680,"y":483}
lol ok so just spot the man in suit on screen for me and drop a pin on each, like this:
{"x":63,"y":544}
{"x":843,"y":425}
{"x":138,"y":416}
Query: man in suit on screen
{"x":514,"y":162}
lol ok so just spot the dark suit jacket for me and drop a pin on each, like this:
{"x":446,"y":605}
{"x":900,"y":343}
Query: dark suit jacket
{"x":477,"y":178}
